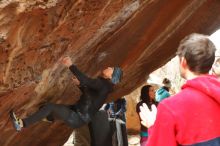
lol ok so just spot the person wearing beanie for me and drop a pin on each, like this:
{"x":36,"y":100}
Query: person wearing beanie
{"x":94,"y":93}
{"x":163,"y":92}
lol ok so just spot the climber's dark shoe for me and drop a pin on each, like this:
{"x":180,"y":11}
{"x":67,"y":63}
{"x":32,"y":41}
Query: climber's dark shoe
{"x":16,"y":122}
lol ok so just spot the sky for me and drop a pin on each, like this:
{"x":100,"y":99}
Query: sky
{"x":215,"y":37}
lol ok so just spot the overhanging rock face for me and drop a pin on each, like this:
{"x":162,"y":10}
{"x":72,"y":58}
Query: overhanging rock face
{"x":137,"y":35}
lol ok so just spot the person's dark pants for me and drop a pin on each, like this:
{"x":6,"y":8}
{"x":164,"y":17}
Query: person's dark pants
{"x":100,"y":130}
{"x":61,"y":112}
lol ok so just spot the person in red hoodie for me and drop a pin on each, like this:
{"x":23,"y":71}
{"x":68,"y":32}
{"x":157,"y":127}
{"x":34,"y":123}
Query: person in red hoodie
{"x":191,"y":117}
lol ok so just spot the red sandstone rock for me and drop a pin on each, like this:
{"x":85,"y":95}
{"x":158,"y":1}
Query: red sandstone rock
{"x":138,"y":35}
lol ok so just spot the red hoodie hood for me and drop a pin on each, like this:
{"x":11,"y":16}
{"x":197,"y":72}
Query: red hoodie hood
{"x":207,"y":84}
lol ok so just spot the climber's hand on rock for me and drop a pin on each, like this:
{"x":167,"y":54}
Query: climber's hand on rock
{"x":66,"y":61}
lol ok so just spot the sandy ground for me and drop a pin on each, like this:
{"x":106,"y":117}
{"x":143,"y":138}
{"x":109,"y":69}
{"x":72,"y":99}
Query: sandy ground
{"x":133,"y":140}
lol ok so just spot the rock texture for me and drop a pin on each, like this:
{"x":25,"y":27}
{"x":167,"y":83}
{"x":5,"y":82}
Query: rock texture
{"x":138,"y":35}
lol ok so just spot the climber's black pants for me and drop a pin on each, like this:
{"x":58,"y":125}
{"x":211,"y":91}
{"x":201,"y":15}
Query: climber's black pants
{"x":61,"y":112}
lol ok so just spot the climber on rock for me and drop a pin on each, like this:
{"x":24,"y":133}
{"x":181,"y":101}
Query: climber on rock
{"x":94,"y":93}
